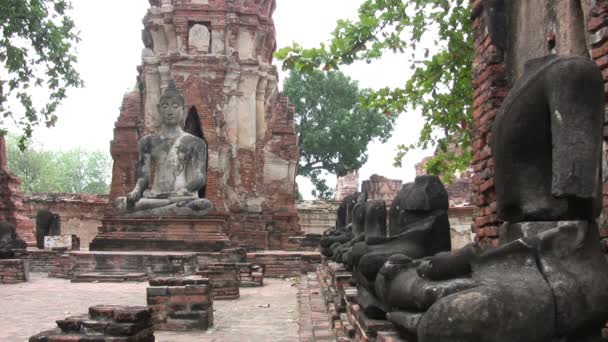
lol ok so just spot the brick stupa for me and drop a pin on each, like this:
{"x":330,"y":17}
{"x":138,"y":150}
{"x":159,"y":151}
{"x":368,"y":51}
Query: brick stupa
{"x":219,"y":53}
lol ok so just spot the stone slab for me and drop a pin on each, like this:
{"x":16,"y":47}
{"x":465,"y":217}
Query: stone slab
{"x":67,"y":242}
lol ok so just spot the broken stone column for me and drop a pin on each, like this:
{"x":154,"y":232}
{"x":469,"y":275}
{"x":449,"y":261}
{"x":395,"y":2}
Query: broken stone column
{"x":347,"y":185}
{"x":381,"y":188}
{"x":11,"y":205}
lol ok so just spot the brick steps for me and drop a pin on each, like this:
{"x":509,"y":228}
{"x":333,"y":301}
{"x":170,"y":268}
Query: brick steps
{"x":166,"y":234}
{"x":129,"y":244}
{"x":109,"y":277}
{"x":103,"y":323}
{"x":127,"y":266}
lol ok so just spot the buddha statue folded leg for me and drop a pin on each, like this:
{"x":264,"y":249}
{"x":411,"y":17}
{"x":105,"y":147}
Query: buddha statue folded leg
{"x":193,"y":207}
{"x":544,"y":286}
{"x":179,"y":206}
{"x":489,"y":306}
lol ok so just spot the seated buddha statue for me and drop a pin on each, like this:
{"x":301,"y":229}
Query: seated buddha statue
{"x":171,"y":167}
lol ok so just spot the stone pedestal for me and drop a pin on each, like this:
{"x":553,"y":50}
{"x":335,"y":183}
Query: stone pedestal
{"x":103,"y":323}
{"x":366,"y":328}
{"x":13,"y":271}
{"x":224,"y":279}
{"x":285,"y":264}
{"x":67,"y":242}
{"x":161,"y":234}
{"x":181,"y":303}
{"x":60,"y":266}
{"x":250,"y":275}
{"x":339,"y":279}
{"x":129,"y":266}
{"x":389,"y":336}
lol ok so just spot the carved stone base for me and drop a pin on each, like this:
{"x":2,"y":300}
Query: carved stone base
{"x":161,"y":234}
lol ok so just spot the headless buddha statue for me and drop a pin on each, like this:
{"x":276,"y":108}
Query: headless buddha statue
{"x":174,"y":162}
{"x":545,"y":282}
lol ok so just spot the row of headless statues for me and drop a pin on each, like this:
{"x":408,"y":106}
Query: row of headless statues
{"x":547,"y":281}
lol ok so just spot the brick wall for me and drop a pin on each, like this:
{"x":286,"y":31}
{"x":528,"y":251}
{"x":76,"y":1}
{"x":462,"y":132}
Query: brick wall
{"x":224,"y":280}
{"x":41,"y":260}
{"x":180,"y":304}
{"x":80,"y":213}
{"x":489,"y":90}
{"x":13,"y":271}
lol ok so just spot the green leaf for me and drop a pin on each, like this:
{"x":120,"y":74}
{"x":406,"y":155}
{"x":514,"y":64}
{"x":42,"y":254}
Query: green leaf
{"x":440,"y":87}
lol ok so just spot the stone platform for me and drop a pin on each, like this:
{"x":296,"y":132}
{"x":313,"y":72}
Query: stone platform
{"x":347,"y":320}
{"x":119,"y":266}
{"x":103,"y":323}
{"x":125,"y":266}
{"x":13,"y":271}
{"x":224,"y":279}
{"x":165,"y":234}
{"x":285,"y":263}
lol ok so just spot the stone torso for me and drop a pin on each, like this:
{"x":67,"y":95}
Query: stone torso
{"x":546,"y":162}
{"x":172,"y":162}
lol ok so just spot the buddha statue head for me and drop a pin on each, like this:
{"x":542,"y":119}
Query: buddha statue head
{"x":171,"y":107}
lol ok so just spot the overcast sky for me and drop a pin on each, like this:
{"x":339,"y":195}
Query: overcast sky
{"x":110,"y":51}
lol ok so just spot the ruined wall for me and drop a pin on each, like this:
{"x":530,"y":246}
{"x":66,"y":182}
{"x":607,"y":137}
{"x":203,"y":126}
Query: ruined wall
{"x":11,"y":206}
{"x":381,"y":188}
{"x":347,"y":185}
{"x":123,"y":148}
{"x":460,"y":225}
{"x":317,"y":216}
{"x":219,"y":53}
{"x":80,"y":213}
{"x":506,"y":35}
{"x":489,"y":90}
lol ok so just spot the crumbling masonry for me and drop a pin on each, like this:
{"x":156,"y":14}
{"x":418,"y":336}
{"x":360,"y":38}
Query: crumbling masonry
{"x":219,"y":53}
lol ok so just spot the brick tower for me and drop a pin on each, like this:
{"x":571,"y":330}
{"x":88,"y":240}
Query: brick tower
{"x":219,"y":53}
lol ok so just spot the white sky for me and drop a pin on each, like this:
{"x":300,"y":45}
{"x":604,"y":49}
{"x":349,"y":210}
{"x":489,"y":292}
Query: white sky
{"x":110,"y":51}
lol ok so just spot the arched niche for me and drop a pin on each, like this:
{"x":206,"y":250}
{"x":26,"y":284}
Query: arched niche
{"x":193,"y":126}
